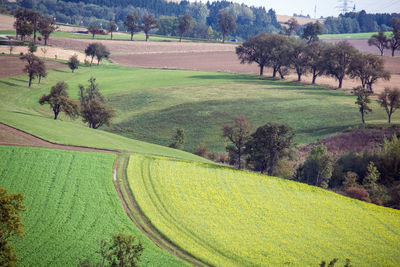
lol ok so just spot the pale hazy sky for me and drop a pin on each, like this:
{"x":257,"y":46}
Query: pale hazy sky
{"x":324,"y":7}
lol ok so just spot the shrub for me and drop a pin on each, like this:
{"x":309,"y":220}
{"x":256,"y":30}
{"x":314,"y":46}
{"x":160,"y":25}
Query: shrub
{"x":223,"y":157}
{"x":212,"y":156}
{"x":358,"y":193}
{"x":200,"y":150}
{"x":350,"y":180}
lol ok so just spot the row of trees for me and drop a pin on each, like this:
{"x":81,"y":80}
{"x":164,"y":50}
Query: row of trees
{"x":309,"y":55}
{"x":29,"y":21}
{"x":91,"y":106}
{"x":382,"y":42}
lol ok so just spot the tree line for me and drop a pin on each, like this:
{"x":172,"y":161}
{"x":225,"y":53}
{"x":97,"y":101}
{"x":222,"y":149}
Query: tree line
{"x":382,"y":41}
{"x":249,"y":20}
{"x":309,"y":55}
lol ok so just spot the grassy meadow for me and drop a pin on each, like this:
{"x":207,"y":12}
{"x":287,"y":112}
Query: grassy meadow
{"x":151,"y":103}
{"x":361,"y":35}
{"x":71,"y":204}
{"x":234,"y":218}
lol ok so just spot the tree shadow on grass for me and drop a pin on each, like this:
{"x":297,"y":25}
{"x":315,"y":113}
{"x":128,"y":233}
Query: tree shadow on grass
{"x":9,"y":83}
{"x":60,"y":70}
{"x":19,"y":80}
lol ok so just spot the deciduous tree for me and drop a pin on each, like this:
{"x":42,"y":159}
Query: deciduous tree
{"x":316,"y":59}
{"x":97,"y":50}
{"x":292,"y":27}
{"x":132,"y":23}
{"x":149,"y":23}
{"x":93,"y":29}
{"x":363,"y":100}
{"x":299,"y":59}
{"x":46,"y":27}
{"x":23,"y":28}
{"x":380,"y":41}
{"x":394,"y":41}
{"x":256,"y":49}
{"x":33,"y":67}
{"x":368,"y":68}
{"x":185,"y":25}
{"x":73,"y":62}
{"x":266,"y":145}
{"x":226,"y":23}
{"x":59,"y":100}
{"x":112,"y":27}
{"x":311,"y":32}
{"x":11,"y":225}
{"x":179,"y":139}
{"x":389,"y":99}
{"x":238,"y":134}
{"x":93,"y":109}
{"x":338,"y":58}
{"x":318,"y":167}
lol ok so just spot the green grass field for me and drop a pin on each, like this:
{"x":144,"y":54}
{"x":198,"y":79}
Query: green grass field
{"x":233,"y":218}
{"x":150,"y":104}
{"x":361,"y":35}
{"x":71,"y":204}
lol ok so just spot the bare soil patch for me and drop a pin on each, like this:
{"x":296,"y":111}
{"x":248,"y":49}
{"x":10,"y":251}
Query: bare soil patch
{"x":6,"y":22}
{"x":46,"y":52}
{"x":11,"y":65}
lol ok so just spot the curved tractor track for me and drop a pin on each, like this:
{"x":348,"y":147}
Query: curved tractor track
{"x":10,"y":136}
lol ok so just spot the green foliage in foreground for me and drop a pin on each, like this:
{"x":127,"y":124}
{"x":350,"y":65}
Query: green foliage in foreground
{"x":71,"y":205}
{"x":151,"y":104}
{"x":233,"y":218}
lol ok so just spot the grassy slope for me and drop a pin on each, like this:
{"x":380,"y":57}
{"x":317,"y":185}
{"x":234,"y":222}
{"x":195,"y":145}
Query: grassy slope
{"x":151,"y":103}
{"x":71,"y":204}
{"x":361,"y":35}
{"x":232,"y":218}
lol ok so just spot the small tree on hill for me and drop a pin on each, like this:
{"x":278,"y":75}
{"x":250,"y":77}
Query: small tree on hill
{"x":120,"y":250}
{"x":90,"y":51}
{"x":42,"y":73}
{"x":93,"y":109}
{"x":11,"y":225}
{"x":185,"y":25}
{"x":380,"y":41}
{"x":101,"y":52}
{"x":33,"y":67}
{"x":149,"y":23}
{"x":292,"y":27}
{"x":179,"y":139}
{"x":46,"y":27}
{"x":59,"y":100}
{"x":389,"y":99}
{"x":363,"y":100}
{"x":93,"y":29}
{"x":299,"y":59}
{"x":318,"y":167}
{"x":112,"y":27}
{"x":73,"y":62}
{"x":131,"y":23}
{"x":368,"y":68}
{"x":238,"y":134}
{"x":394,"y":41}
{"x":311,"y":32}
{"x":226,"y":23}
{"x":266,"y":145}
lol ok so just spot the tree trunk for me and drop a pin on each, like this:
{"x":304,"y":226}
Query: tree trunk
{"x":147,"y":37}
{"x":45,"y":41}
{"x":362,"y":116}
{"x":92,"y":35}
{"x":393,"y":49}
{"x":91,"y":61}
{"x":389,"y":116}
{"x":30,"y":80}
{"x":40,"y":77}
{"x":261,"y":70}
{"x":298,"y":76}
{"x":280,"y":73}
{"x":111,"y":35}
{"x":340,"y":83}
{"x":223,"y":38}
{"x":274,"y":73}
{"x":381,"y":52}
{"x":34,"y":36}
{"x":239,"y":159}
{"x":131,"y":36}
{"x":180,"y":38}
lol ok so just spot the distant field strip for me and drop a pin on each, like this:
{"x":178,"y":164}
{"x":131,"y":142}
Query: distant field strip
{"x":71,"y":204}
{"x":231,"y":218}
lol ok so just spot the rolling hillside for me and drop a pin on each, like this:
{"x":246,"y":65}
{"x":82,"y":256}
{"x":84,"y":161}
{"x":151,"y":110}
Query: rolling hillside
{"x":234,"y":218}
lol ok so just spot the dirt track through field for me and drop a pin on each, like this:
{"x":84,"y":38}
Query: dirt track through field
{"x":11,"y":136}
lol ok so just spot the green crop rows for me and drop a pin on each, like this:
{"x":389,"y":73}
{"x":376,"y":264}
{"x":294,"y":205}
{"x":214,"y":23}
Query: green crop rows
{"x":233,"y":218}
{"x":71,"y":204}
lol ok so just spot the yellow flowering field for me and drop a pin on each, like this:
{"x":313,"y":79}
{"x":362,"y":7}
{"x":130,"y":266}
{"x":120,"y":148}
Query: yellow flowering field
{"x":227,"y":217}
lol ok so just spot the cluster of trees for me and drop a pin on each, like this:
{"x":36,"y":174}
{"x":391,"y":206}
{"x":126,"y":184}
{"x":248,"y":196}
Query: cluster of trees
{"x":97,"y":50}
{"x":29,"y":21}
{"x":309,"y":55}
{"x":91,"y":105}
{"x":249,"y":20}
{"x":354,"y":22}
{"x":382,"y":42}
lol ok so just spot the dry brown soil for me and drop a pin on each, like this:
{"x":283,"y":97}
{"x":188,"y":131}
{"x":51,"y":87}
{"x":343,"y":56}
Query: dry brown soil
{"x":302,"y":21}
{"x":11,"y":65}
{"x":45,"y":52}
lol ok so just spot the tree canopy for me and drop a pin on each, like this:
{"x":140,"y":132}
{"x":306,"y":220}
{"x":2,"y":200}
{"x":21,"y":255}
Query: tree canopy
{"x":226,"y":23}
